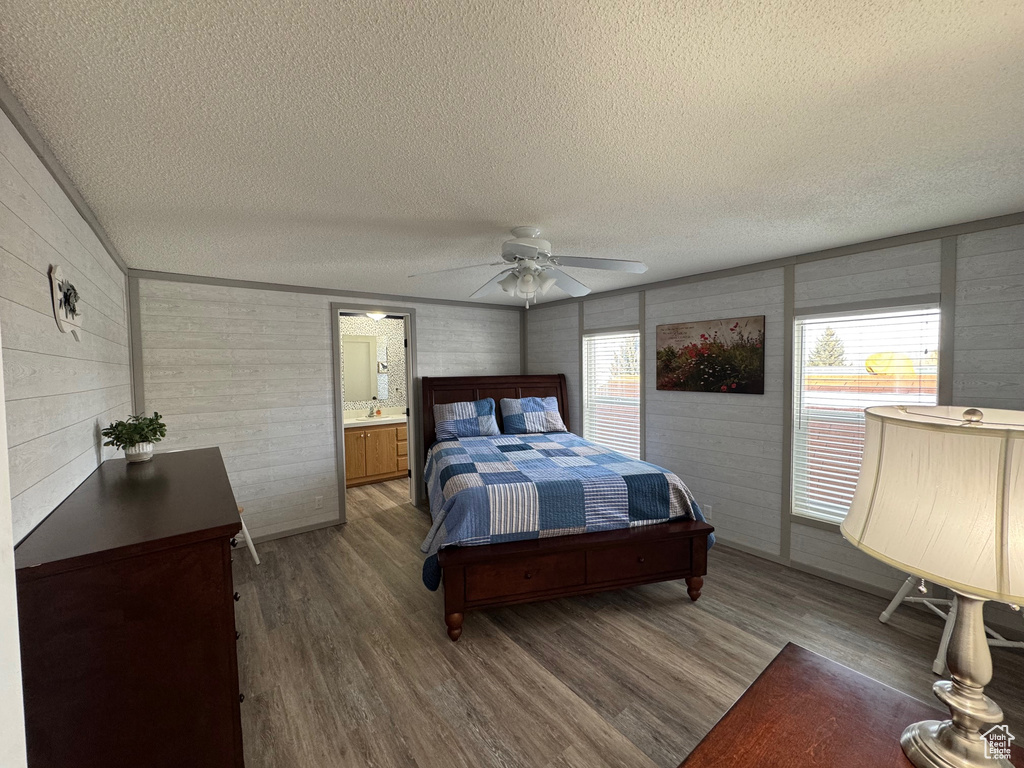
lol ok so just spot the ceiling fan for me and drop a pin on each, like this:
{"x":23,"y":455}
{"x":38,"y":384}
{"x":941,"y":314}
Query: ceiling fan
{"x":532,"y":269}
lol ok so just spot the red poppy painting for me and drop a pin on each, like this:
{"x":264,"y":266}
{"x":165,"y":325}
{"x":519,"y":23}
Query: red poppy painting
{"x":712,"y":356}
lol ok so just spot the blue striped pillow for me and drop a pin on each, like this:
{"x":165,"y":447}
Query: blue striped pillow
{"x":531,"y":415}
{"x":455,"y":420}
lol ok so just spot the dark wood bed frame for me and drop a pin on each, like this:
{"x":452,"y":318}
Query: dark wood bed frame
{"x":539,"y":569}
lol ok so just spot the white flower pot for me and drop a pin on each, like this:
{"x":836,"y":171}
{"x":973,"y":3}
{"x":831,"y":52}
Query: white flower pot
{"x":140,"y":452}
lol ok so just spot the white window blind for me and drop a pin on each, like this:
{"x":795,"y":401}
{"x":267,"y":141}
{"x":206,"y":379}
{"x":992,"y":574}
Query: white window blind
{"x":611,"y":390}
{"x":842,"y":365}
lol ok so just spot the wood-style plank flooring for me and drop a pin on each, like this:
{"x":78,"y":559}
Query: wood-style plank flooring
{"x":344,"y":659}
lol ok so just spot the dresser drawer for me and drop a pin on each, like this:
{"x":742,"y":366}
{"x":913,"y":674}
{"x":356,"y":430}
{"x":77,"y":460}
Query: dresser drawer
{"x":403,"y":463}
{"x":637,"y":560}
{"x":403,"y":447}
{"x":403,"y":432}
{"x":492,"y":580}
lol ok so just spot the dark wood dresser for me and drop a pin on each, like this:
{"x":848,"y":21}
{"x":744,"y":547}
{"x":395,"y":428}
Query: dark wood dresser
{"x":127,"y":619}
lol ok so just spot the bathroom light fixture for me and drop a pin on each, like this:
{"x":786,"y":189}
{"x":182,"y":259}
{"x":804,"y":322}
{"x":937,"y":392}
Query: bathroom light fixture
{"x":376,"y":315}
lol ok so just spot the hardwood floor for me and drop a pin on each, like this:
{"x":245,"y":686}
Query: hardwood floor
{"x":345,"y":662}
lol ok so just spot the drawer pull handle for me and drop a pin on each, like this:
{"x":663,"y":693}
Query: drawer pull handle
{"x":640,"y":559}
{"x":234,"y":542}
{"x":241,"y":698}
{"x":528,"y":575}
{"x":237,"y":597}
{"x":237,"y":634}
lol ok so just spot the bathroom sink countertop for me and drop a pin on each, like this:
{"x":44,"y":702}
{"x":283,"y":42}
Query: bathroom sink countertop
{"x":364,"y":421}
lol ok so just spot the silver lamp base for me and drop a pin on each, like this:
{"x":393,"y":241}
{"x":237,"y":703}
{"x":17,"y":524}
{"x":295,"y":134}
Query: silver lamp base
{"x":958,"y":742}
{"x":934,"y":744}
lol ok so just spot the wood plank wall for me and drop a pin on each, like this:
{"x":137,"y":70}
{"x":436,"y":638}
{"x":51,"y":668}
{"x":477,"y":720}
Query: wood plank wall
{"x":553,"y":346}
{"x":890,"y":274}
{"x":59,"y":392}
{"x":552,"y":339}
{"x":988,"y":345}
{"x":12,"y":711}
{"x":727,"y":448}
{"x":611,"y":312}
{"x":730,"y":449}
{"x":251,"y":371}
{"x":988,"y":364}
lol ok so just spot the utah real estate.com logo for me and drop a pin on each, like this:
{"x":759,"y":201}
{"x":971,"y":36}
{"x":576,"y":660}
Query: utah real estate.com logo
{"x":997,"y":742}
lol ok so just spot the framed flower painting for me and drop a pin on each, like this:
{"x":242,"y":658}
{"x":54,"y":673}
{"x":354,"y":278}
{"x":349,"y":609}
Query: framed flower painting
{"x":712,"y":356}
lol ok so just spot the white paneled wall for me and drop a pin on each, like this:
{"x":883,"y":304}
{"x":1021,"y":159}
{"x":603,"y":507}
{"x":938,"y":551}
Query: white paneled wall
{"x":59,"y":392}
{"x":827,"y":551}
{"x":988,"y":364}
{"x":888,"y":274}
{"x":988,"y":359}
{"x":727,"y":448}
{"x":251,"y":371}
{"x":466,"y":341}
{"x":553,"y":344}
{"x":611,"y":311}
{"x":12,"y":717}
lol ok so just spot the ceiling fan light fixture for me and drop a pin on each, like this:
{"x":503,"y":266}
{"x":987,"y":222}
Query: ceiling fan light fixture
{"x":531,"y":268}
{"x":509,"y":282}
{"x":527,"y":284}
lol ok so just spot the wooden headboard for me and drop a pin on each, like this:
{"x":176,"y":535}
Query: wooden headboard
{"x":457,"y":389}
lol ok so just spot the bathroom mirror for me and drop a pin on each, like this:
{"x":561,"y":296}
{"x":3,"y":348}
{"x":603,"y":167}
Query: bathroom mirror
{"x":359,"y":360}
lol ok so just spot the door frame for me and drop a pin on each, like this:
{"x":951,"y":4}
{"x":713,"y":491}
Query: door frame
{"x":412,"y":419}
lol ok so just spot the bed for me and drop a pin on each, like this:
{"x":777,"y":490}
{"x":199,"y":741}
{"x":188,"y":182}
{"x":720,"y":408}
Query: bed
{"x":510,"y":569}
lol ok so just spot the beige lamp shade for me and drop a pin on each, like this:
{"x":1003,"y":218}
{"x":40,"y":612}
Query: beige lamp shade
{"x":941,"y":496}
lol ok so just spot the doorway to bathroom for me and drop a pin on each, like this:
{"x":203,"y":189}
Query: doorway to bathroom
{"x":374,"y":372}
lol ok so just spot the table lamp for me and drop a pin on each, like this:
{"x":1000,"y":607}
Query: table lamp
{"x":941,"y":496}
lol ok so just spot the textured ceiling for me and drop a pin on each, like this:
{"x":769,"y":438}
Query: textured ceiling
{"x":349,"y":144}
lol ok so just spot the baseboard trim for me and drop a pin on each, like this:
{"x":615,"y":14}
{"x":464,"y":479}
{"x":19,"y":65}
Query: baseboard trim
{"x":747,"y":550}
{"x":265,"y":537}
{"x":997,"y":621}
{"x":861,"y":586}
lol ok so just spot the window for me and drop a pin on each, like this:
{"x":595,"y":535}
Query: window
{"x":842,"y":365}
{"x":611,"y":390}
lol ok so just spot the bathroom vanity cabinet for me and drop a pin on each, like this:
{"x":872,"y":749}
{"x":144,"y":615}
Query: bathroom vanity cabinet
{"x":375,"y":453}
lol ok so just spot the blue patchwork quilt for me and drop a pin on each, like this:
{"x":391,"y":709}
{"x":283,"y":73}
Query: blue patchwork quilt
{"x":487,"y":490}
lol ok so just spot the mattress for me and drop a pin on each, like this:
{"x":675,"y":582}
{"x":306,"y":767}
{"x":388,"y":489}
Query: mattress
{"x":489,"y":490}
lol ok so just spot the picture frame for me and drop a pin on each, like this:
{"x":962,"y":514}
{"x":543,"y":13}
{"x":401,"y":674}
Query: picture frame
{"x":724,"y":356}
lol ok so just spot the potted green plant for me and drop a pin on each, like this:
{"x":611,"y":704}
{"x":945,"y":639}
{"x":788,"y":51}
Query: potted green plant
{"x":136,"y":436}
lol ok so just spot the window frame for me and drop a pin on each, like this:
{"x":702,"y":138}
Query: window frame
{"x":585,"y":335}
{"x":796,"y":376}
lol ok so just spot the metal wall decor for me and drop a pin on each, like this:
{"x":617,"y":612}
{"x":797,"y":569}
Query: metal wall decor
{"x":66,"y":309}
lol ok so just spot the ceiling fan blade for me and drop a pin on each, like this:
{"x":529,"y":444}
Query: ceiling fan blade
{"x":490,"y":285}
{"x":586,"y":262}
{"x":570,"y":285}
{"x":456,"y":269}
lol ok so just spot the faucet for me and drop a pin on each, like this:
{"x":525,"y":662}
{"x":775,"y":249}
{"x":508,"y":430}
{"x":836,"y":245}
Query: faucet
{"x":373,"y":409}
